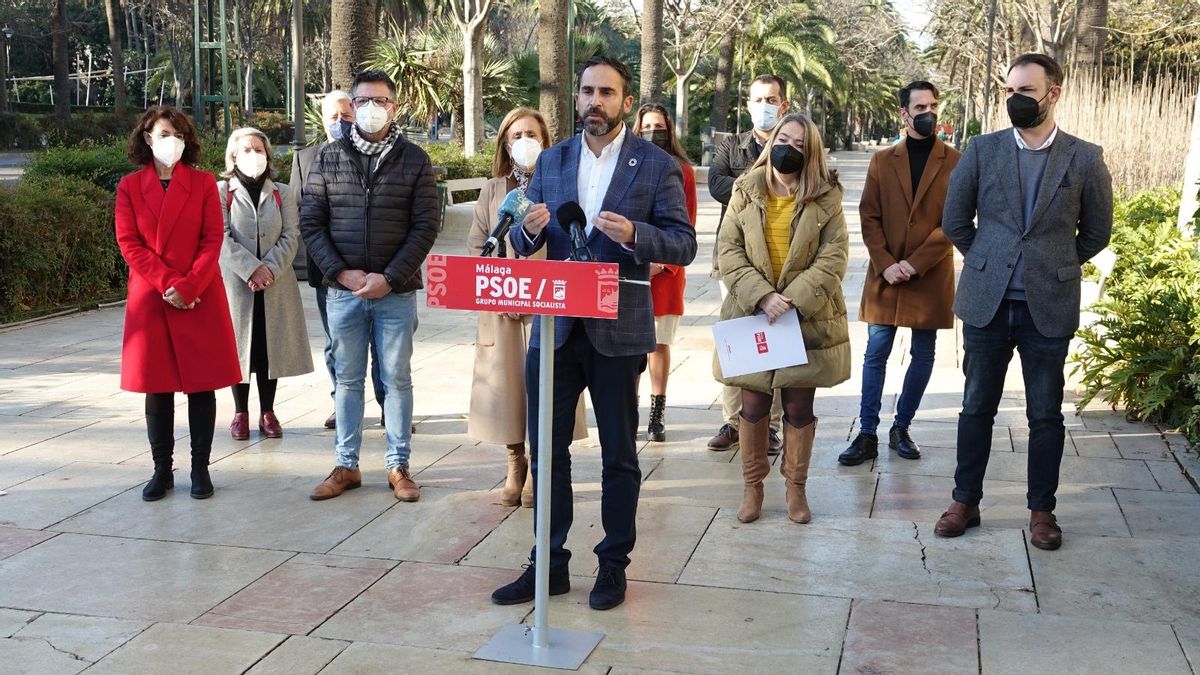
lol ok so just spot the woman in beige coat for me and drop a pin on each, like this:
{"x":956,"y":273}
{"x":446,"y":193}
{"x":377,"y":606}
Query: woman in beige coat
{"x":783,"y":247}
{"x":498,"y":409}
{"x":262,"y":233}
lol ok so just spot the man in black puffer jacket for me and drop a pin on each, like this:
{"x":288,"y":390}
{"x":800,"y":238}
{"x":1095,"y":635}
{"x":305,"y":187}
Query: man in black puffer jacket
{"x":369,"y":217}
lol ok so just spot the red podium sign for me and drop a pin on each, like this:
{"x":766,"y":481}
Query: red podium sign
{"x":522,"y":286}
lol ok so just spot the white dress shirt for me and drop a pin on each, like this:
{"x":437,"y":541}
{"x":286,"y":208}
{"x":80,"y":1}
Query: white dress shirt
{"x":1025,"y":146}
{"x":595,"y":175}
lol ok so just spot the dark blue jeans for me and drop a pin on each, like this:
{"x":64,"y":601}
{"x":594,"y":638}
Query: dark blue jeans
{"x":988,"y":351}
{"x":376,"y":379}
{"x":879,"y":348}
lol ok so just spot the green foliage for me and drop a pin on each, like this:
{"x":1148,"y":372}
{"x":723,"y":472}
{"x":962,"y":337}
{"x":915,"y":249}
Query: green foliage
{"x":450,"y":156}
{"x":1144,"y":350}
{"x":19,"y":132}
{"x":57,"y":246}
{"x":85,"y":128}
{"x":278,"y":127}
{"x":100,"y":165}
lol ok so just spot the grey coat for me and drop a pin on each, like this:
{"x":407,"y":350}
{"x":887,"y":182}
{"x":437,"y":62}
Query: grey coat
{"x":1072,"y":221}
{"x":278,"y":235}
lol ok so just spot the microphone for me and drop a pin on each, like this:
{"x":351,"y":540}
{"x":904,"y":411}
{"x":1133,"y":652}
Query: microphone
{"x":512,"y":209}
{"x":571,"y":217}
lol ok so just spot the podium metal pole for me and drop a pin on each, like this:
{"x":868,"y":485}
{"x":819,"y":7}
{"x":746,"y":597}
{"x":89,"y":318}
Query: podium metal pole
{"x":551,"y":648}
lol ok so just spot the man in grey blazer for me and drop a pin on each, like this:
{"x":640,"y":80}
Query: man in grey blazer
{"x":1042,"y":204}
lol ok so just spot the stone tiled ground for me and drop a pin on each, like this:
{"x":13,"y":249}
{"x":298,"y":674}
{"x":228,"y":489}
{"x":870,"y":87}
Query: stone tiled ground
{"x":262,"y":580}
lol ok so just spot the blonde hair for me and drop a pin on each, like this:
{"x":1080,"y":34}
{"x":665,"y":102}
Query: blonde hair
{"x":502,"y":163}
{"x":815,"y":174}
{"x":231,"y":149}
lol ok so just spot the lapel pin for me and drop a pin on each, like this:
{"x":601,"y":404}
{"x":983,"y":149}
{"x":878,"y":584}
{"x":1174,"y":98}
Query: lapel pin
{"x":633,"y":162}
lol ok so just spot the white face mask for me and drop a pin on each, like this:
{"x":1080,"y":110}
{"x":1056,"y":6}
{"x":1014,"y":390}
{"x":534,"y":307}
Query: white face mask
{"x":764,"y":115}
{"x":525,"y":152}
{"x":371,"y":118}
{"x":252,"y":164}
{"x":167,"y":150}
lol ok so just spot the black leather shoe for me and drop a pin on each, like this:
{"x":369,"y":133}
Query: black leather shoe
{"x":202,"y":487}
{"x":902,"y":443}
{"x":609,"y":590}
{"x":521,"y":590}
{"x":864,"y":447}
{"x":162,"y":481}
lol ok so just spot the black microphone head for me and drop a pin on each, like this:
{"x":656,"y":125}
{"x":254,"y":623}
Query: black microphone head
{"x":571,"y":212}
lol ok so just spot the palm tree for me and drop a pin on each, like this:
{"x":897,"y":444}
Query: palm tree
{"x":112,"y":11}
{"x":554,"y":80}
{"x":352,"y":30}
{"x":651,"y":88}
{"x":62,"y":65}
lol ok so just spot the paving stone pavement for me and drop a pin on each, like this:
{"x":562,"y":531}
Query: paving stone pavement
{"x":260,"y":579}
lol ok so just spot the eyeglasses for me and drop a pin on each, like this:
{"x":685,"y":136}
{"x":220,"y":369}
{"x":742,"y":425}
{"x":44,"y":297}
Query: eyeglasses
{"x":360,"y":101}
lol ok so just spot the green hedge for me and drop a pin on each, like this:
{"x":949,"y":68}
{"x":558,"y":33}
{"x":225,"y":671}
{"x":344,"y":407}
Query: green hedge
{"x":1144,"y":351}
{"x":57,"y":246}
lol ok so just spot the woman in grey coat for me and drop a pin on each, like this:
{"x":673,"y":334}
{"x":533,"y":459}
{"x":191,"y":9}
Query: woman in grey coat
{"x":262,"y":233}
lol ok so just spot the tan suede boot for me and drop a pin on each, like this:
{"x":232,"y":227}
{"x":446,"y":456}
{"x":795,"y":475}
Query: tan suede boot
{"x":755,"y":466}
{"x":797,"y":453}
{"x":527,"y":492}
{"x":518,"y":469}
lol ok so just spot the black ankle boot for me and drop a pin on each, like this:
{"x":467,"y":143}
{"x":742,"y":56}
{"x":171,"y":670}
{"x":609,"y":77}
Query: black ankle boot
{"x":160,"y":482}
{"x":656,"y":431}
{"x":202,"y":487}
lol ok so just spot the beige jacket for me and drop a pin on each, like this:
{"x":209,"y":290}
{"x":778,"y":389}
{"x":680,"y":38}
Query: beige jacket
{"x":811,"y":278}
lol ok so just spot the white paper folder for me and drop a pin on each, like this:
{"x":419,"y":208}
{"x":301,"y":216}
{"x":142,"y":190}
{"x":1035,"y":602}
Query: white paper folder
{"x":751,"y":345}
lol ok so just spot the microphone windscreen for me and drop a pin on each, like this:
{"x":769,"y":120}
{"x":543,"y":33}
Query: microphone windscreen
{"x":571,"y":212}
{"x":515,"y":205}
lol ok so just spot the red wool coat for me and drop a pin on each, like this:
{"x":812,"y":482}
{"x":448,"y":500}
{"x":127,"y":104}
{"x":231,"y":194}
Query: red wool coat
{"x":173,"y":238}
{"x":666,"y":288}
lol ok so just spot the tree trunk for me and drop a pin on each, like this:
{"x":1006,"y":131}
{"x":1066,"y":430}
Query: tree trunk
{"x":248,"y":90}
{"x":723,"y":82}
{"x":472,"y":75}
{"x":553,"y":78}
{"x":352,"y":30}
{"x":3,"y":74}
{"x":1092,"y":33}
{"x":112,"y":8}
{"x":62,"y":61}
{"x":681,"y":106}
{"x":651,"y":86}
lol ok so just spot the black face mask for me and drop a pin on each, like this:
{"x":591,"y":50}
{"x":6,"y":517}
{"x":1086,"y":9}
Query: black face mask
{"x":786,"y":159}
{"x":1027,"y":112}
{"x":925,"y":123}
{"x":659,"y":137}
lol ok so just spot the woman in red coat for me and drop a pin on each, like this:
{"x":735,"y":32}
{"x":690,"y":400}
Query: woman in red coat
{"x":667,"y":282}
{"x":178,"y":331}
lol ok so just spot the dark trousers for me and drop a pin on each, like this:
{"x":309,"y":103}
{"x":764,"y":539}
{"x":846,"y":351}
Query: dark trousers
{"x":988,"y":351}
{"x":612,"y":382}
{"x":160,"y":424}
{"x":258,"y":363}
{"x":376,"y":379}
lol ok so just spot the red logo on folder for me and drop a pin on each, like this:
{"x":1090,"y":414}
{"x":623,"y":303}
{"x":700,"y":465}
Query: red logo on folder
{"x":760,"y":339}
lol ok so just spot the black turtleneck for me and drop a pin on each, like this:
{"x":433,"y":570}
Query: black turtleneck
{"x":918,"y":155}
{"x":253,"y":186}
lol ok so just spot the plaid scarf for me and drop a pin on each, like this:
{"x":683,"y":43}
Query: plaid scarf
{"x":372,"y":147}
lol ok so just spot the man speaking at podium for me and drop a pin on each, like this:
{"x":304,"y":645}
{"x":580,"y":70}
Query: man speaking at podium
{"x":628,"y":197}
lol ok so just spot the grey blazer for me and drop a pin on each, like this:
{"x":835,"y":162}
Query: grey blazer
{"x":1072,"y":221}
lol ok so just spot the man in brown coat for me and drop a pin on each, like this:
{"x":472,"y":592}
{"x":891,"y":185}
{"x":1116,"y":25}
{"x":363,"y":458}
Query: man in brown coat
{"x":910,"y":281}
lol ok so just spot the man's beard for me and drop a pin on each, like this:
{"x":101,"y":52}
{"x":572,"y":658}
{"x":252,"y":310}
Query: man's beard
{"x":599,"y":127}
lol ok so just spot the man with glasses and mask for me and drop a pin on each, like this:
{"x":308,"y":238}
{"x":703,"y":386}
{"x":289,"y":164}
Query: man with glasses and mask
{"x":631,"y":195}
{"x":766,"y":103}
{"x":1027,"y":206}
{"x":910,"y":280}
{"x":370,"y":216}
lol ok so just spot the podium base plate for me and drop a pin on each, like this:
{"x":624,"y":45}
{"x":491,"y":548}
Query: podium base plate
{"x":566,"y":650}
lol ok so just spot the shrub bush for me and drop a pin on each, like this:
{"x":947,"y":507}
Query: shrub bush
{"x":20,"y":132}
{"x":101,"y":165}
{"x":87,"y":128}
{"x":277,"y":126}
{"x":1144,"y":350}
{"x":57,"y":246}
{"x":450,"y":155}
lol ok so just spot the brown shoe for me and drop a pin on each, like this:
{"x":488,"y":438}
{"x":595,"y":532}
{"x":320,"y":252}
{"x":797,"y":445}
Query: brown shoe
{"x":268,"y":425}
{"x":797,"y":454}
{"x":338,"y":481}
{"x":331,"y":421}
{"x":239,"y":428}
{"x":402,"y":484}
{"x":956,"y":520}
{"x":514,"y":483}
{"x":755,"y":466}
{"x":1044,"y":531}
{"x":726,"y":439}
{"x":527,"y":491}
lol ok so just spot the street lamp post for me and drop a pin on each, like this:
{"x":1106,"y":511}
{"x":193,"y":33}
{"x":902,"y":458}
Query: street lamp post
{"x":8,"y":34}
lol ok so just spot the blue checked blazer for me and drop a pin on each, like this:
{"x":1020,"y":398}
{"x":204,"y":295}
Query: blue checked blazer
{"x":646,"y":188}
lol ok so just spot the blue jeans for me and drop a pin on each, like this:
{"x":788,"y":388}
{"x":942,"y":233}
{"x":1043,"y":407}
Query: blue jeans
{"x":353,"y":322}
{"x":879,"y":348}
{"x":377,"y":384}
{"x":988,"y":351}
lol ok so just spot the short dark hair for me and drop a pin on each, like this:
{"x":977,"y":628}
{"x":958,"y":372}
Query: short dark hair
{"x":622,"y":69}
{"x":1054,"y":72}
{"x":139,"y":149}
{"x":770,"y":78}
{"x":373,"y":75}
{"x":917,"y":85}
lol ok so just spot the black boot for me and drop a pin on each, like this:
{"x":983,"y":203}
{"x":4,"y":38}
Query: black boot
{"x":202,"y":417}
{"x":160,"y":430}
{"x":160,"y":482}
{"x":864,"y":447}
{"x":655,"y":431}
{"x":903,"y":444}
{"x":202,"y":487}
